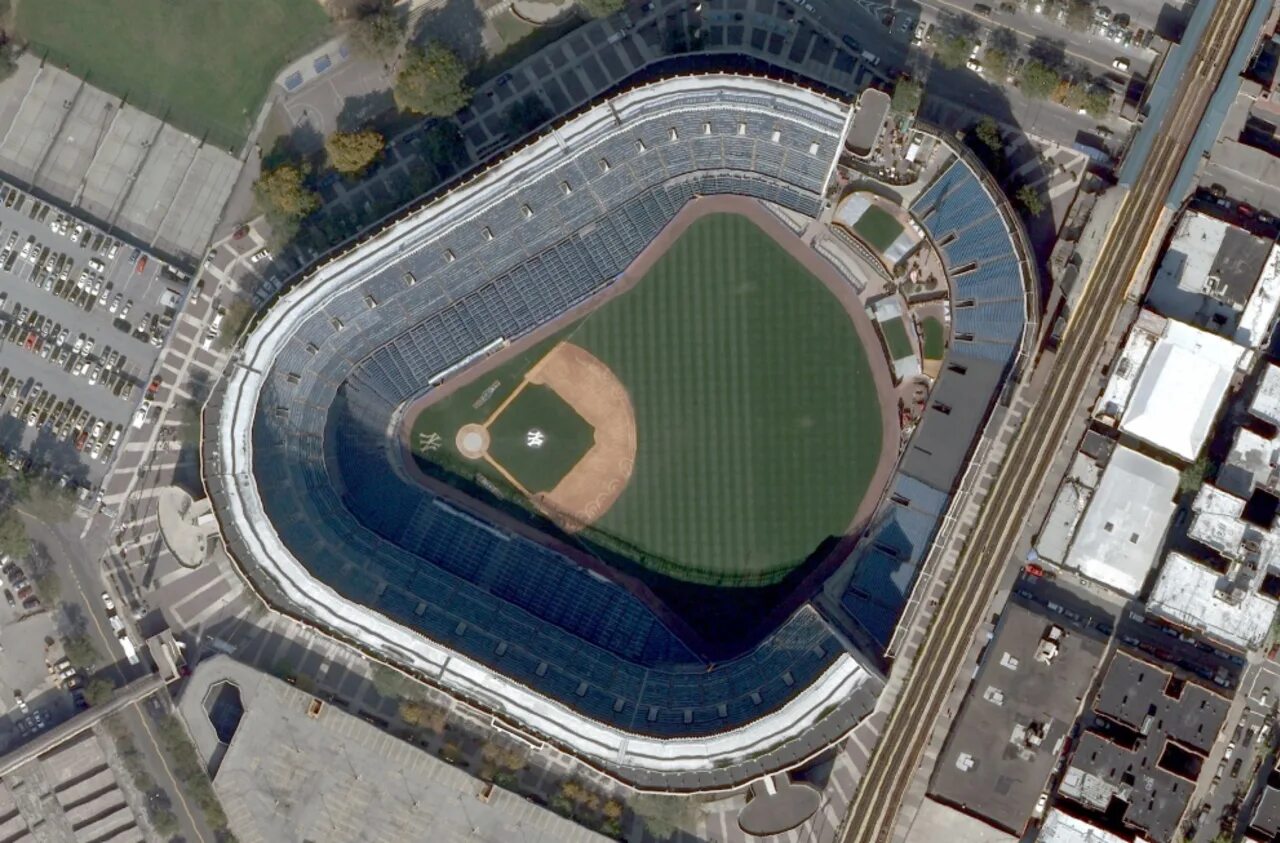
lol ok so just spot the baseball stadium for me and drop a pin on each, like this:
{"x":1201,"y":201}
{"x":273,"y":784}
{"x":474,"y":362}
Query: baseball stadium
{"x":600,"y":441}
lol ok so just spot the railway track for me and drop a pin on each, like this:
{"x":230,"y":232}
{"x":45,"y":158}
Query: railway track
{"x":873,"y":814}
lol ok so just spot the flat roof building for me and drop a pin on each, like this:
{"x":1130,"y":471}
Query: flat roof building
{"x":285,"y":742}
{"x":1012,"y":727}
{"x":1120,"y":535}
{"x":1183,"y":383}
{"x":1213,"y":604}
{"x":868,"y":122}
{"x":1266,"y":816}
{"x":1144,"y":746}
{"x":1219,"y":278}
{"x":1064,"y":828}
{"x":1266,"y":398}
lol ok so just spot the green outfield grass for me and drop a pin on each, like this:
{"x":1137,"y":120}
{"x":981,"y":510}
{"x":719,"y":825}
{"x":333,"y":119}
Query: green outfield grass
{"x":878,"y":227}
{"x":758,"y":421}
{"x":934,"y":340}
{"x":568,"y":438}
{"x":202,"y":65}
{"x":895,"y":337}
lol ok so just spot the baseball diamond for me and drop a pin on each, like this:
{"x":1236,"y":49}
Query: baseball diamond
{"x":746,"y":403}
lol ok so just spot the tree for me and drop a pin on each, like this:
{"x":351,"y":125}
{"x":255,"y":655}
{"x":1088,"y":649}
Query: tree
{"x":953,"y":51}
{"x":906,"y":95}
{"x":99,"y":691}
{"x":662,"y":816}
{"x":45,"y":499}
{"x":1193,"y":476}
{"x":432,"y":81}
{"x":1030,"y":199}
{"x":9,"y":52}
{"x":1079,"y":14}
{"x":13,"y":534}
{"x":1039,"y":80}
{"x":1097,"y":102}
{"x":235,"y":317}
{"x":423,"y":715}
{"x":378,"y":34}
{"x":80,"y":651}
{"x":48,"y":587}
{"x":283,"y":192}
{"x":351,"y":153}
{"x":987,"y":130}
{"x":996,"y":62}
{"x":600,"y":8}
{"x":527,"y":114}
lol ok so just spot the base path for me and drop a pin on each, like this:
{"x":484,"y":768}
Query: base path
{"x":595,"y":393}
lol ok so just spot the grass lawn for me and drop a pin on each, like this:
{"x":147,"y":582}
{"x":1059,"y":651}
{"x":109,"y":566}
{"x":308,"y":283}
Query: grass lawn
{"x":935,"y":344}
{"x":895,"y":337}
{"x":203,"y":65}
{"x":758,"y":421}
{"x":878,"y":227}
{"x":568,"y":438}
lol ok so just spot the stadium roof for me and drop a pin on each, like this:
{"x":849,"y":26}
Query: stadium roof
{"x":1120,"y":535}
{"x":1181,"y":387}
{"x":316,"y":512}
{"x":1197,"y":597}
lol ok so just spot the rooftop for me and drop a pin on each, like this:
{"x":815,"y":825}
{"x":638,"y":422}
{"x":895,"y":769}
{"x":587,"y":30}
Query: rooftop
{"x":868,"y":120}
{"x":1200,"y":598}
{"x":1012,"y":726}
{"x":1064,"y":828}
{"x":1266,"y":817}
{"x":1253,"y":462}
{"x":277,"y":780}
{"x":1128,"y":366}
{"x":1208,"y":271}
{"x":1180,"y":389}
{"x":1120,"y":534}
{"x":1145,"y":746}
{"x":1266,"y":399}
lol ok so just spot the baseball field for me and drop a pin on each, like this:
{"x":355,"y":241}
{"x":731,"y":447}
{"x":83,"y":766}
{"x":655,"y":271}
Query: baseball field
{"x":716,"y":422}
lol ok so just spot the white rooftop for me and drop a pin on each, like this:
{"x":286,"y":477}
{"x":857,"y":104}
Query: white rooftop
{"x":1259,"y":317}
{"x":1064,"y":828}
{"x":1187,"y":593}
{"x":1119,"y":537}
{"x":1219,"y":525}
{"x":1180,"y":389}
{"x":1124,"y":373}
{"x":1266,"y":401}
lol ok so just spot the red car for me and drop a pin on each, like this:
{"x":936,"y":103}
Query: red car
{"x":31,"y":341}
{"x":81,"y":439}
{"x":1033,"y":570}
{"x":142,"y":264}
{"x":153,"y":387}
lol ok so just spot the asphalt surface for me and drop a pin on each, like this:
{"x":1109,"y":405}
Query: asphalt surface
{"x":990,"y":547}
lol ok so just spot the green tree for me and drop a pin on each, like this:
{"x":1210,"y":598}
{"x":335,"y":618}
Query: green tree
{"x":80,"y":651}
{"x":1079,"y":14}
{"x":432,"y":81}
{"x":1193,"y":476}
{"x":378,"y":33}
{"x":907,"y":94}
{"x":13,"y":534}
{"x":9,"y":52}
{"x":45,"y":499}
{"x":1097,"y":102}
{"x":1038,"y":80}
{"x":283,"y":192}
{"x":1029,"y":198}
{"x":662,"y":816}
{"x":953,"y":51}
{"x":48,"y":587}
{"x":987,"y":130}
{"x":995,"y":61}
{"x":235,"y":317}
{"x":600,"y":8}
{"x":527,"y":114}
{"x":99,"y":691}
{"x":351,"y":153}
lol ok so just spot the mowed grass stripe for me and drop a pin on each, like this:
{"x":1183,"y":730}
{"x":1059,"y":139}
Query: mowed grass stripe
{"x":757,"y":416}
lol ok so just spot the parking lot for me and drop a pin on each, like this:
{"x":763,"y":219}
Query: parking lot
{"x":82,"y":320}
{"x":32,"y":698}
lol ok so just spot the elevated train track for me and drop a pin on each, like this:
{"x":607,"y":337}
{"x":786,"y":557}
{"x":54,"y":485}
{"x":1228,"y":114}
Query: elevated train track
{"x":894,"y":762}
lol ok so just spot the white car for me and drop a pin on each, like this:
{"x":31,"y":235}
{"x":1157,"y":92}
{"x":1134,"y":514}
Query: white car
{"x":115,"y":304}
{"x":1121,"y":64}
{"x":115,"y":438}
{"x":111,"y":253}
{"x":79,"y":344}
{"x":93,"y":379}
{"x":97,"y":429}
{"x":88,"y":345}
{"x":108,"y":602}
{"x":124,"y":311}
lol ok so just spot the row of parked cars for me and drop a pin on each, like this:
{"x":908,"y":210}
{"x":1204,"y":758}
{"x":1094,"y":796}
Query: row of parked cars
{"x":64,"y":419}
{"x":18,"y":590}
{"x":41,"y":335}
{"x":55,"y":272}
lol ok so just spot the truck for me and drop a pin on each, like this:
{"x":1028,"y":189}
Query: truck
{"x":130,"y":652}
